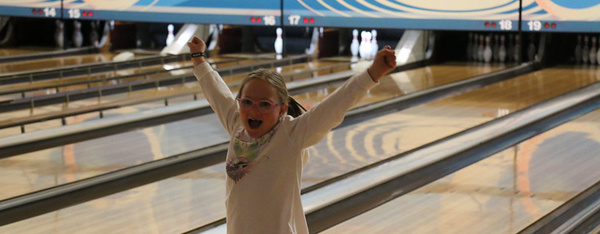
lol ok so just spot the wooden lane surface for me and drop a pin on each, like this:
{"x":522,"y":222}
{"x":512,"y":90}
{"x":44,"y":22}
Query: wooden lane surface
{"x":413,"y":127}
{"x":410,"y":81}
{"x":140,"y":95}
{"x":177,"y":198}
{"x":501,"y":194}
{"x":23,"y":51}
{"x":196,"y":201}
{"x":22,"y":66}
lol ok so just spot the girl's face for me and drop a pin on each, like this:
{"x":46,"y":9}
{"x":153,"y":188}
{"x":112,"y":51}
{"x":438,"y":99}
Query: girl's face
{"x":260,"y":107}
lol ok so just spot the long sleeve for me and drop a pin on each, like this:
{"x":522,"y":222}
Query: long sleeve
{"x":312,"y":126}
{"x":218,"y":95}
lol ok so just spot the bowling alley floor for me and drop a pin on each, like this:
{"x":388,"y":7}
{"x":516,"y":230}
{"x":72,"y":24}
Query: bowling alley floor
{"x":193,"y":199}
{"x":85,"y":159}
{"x":169,"y":137}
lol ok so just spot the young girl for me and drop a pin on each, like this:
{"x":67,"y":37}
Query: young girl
{"x":269,"y":139}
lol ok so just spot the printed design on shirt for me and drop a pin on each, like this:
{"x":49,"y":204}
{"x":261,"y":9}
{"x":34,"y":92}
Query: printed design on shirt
{"x":245,"y":154}
{"x":244,"y":158}
{"x":241,"y":163}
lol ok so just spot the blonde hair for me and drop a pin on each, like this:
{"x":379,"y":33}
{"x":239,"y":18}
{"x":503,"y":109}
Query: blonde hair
{"x":295,"y":109}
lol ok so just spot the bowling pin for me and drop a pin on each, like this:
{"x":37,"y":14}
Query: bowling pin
{"x":502,"y":50}
{"x":374,"y":45}
{"x":487,"y":52}
{"x":59,"y":34}
{"x":361,"y":46}
{"x":593,"y":51}
{"x":578,"y":50}
{"x":368,"y":46}
{"x":77,"y":35}
{"x":354,"y":44}
{"x":170,"y":36}
{"x":279,"y":41}
{"x":585,"y":51}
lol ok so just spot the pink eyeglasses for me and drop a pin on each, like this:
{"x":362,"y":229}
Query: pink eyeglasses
{"x":262,"y":105}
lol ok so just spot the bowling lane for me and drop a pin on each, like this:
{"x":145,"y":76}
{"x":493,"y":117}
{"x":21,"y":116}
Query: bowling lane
{"x":23,"y":51}
{"x":48,"y":63}
{"x":196,"y":197}
{"x":161,"y":208}
{"x":500,"y":194}
{"x":107,"y":154}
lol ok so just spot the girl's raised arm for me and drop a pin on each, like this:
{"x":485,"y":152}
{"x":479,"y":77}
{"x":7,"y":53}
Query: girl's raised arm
{"x":312,"y":126}
{"x":215,"y":90}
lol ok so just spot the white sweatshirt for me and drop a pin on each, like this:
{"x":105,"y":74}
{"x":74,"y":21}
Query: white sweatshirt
{"x":266,"y":199}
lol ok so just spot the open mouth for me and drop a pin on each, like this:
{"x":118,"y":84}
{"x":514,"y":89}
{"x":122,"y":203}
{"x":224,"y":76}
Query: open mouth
{"x":253,"y":123}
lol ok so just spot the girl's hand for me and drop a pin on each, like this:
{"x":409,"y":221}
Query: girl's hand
{"x":197,"y":45}
{"x":384,"y":62}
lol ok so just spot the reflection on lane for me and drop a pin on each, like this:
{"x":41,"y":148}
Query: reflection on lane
{"x":23,"y":51}
{"x":199,"y":191}
{"x":401,"y":83}
{"x":49,"y":63}
{"x":501,"y":194}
